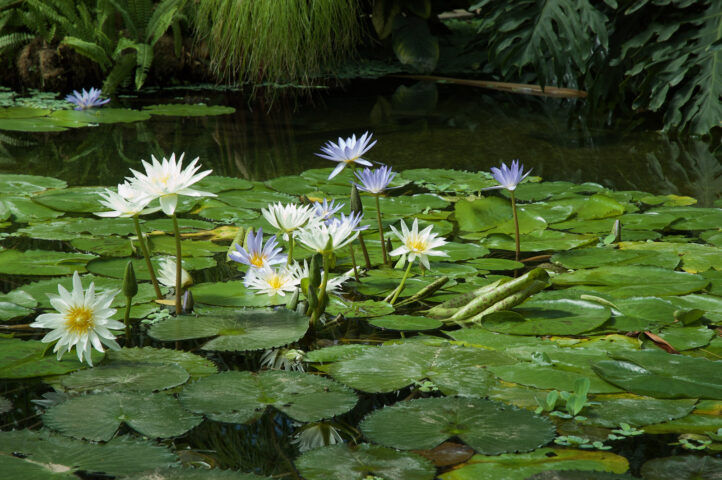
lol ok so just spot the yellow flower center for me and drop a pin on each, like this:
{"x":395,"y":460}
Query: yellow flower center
{"x":256,"y":260}
{"x":164,"y":179}
{"x":79,"y":320}
{"x":416,"y":245}
{"x":275,"y":282}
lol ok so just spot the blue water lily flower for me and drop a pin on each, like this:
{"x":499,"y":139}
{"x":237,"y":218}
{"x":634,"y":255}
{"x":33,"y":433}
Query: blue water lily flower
{"x":258,"y":255}
{"x":326,"y":210}
{"x":509,"y":177}
{"x":375,"y":181}
{"x":347,"y":152}
{"x":86,"y":99}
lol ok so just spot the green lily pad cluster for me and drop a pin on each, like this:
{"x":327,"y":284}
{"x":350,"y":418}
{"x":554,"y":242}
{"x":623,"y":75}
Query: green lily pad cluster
{"x":633,"y":314}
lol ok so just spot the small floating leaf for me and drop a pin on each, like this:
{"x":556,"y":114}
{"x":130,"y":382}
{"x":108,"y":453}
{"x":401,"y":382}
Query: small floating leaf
{"x":133,"y":377}
{"x":685,"y":467}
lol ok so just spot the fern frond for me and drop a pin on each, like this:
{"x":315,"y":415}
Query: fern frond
{"x":119,"y":73}
{"x":128,"y":20}
{"x":91,"y":50}
{"x":161,"y":20}
{"x":144,"y":60}
{"x":14,"y":40}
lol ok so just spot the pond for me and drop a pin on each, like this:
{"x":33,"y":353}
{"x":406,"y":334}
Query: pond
{"x":590,"y":349}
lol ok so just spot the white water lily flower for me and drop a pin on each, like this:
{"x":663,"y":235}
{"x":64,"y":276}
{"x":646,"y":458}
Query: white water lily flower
{"x":166,"y":180}
{"x":418,"y":244}
{"x":332,"y":286}
{"x":167,"y":270}
{"x":341,"y":232}
{"x":347,"y":152}
{"x":83,"y":321}
{"x":271,"y":281}
{"x":316,"y":435}
{"x":288,"y":218}
{"x":283,"y":359}
{"x":127,"y":202}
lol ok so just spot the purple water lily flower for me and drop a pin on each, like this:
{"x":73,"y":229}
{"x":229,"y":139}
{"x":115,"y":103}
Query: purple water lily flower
{"x":347,"y":152}
{"x":86,"y":99}
{"x":375,"y":181}
{"x":509,"y":177}
{"x":258,"y":255}
{"x":326,"y":210}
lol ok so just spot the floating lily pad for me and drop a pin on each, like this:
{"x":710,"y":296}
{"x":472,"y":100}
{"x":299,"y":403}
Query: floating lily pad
{"x":115,"y":267}
{"x":195,"y":365}
{"x":406,"y":322}
{"x":187,"y":110}
{"x":23,"y":112}
{"x":111,"y":246}
{"x":34,"y":124}
{"x":233,"y":294}
{"x":16,"y":304}
{"x":30,"y":454}
{"x":239,"y":331}
{"x":521,"y":466}
{"x":72,"y":199}
{"x":663,"y":375}
{"x":127,"y":377}
{"x":596,"y":257}
{"x":696,"y":258}
{"x":685,"y":467}
{"x":686,"y":338}
{"x":190,"y":248}
{"x":455,"y":370}
{"x":539,"y":241}
{"x":362,"y":309}
{"x":184,"y":224}
{"x":25,"y":359}
{"x":71,"y":228}
{"x":18,"y":184}
{"x":549,"y":377}
{"x":239,"y":397}
{"x":195,"y":474}
{"x":82,"y":118}
{"x":25,"y":210}
{"x":488,"y":427}
{"x":42,"y":262}
{"x":495,"y":264}
{"x":357,"y":463}
{"x":153,"y":415}
{"x":640,"y":411}
{"x":549,"y":317}
{"x":464,"y":251}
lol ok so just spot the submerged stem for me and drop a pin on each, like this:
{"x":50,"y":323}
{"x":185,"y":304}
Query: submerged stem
{"x":516,"y":224}
{"x":384,"y":257}
{"x":178,"y":265}
{"x":401,"y":285}
{"x":146,"y":255}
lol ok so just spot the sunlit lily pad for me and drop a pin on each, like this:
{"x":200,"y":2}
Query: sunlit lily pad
{"x":406,"y":322}
{"x":549,"y":377}
{"x":131,"y":376}
{"x":239,"y":331}
{"x":239,"y":397}
{"x":188,"y":110}
{"x":549,"y":317}
{"x":34,"y":124}
{"x":31,"y":454}
{"x":455,"y":370}
{"x":190,"y":248}
{"x":539,"y":241}
{"x":488,"y":427}
{"x":362,"y":309}
{"x":696,"y":258}
{"x":663,"y":375}
{"x":19,"y":184}
{"x":685,"y":467}
{"x":596,"y":257}
{"x":24,"y":210}
{"x":23,"y":112}
{"x":82,"y":118}
{"x":521,"y":466}
{"x":25,"y":359}
{"x":464,"y":251}
{"x":153,"y":415}
{"x":195,"y":365}
{"x":446,"y":180}
{"x":639,"y":411}
{"x":42,"y":262}
{"x":357,"y":463}
{"x":111,"y":246}
{"x":72,"y":228}
{"x":116,"y":267}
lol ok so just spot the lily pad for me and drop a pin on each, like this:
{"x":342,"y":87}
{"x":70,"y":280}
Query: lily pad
{"x":115,"y":267}
{"x":239,"y":331}
{"x":685,"y":467}
{"x":128,"y":377}
{"x":406,"y":322}
{"x":539,"y":241}
{"x":19,"y":184}
{"x":25,"y":359}
{"x":488,"y":427}
{"x":696,"y":258}
{"x":82,"y":118}
{"x":663,"y":375}
{"x":188,"y":110}
{"x":638,"y":411}
{"x":30,"y":454}
{"x":549,"y":317}
{"x":239,"y":397}
{"x":357,"y":463}
{"x":195,"y":365}
{"x":42,"y":262}
{"x":195,"y":474}
{"x":34,"y":124}
{"x":190,"y":248}
{"x":25,"y":210}
{"x":153,"y":415}
{"x":362,"y":309}
{"x":549,"y":377}
{"x":72,"y":199}
{"x":596,"y":257}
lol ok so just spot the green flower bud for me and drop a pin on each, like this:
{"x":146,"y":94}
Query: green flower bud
{"x":355,"y":203}
{"x":130,"y":284}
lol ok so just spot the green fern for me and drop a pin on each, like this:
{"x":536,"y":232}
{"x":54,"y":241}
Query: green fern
{"x":88,"y":49}
{"x":14,"y":40}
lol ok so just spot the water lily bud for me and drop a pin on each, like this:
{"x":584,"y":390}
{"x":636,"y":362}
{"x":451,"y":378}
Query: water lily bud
{"x":355,"y":203}
{"x":314,"y":271}
{"x":389,"y":246}
{"x":188,"y":301}
{"x":240,"y":236}
{"x":293,"y":301}
{"x":312,"y":297}
{"x":130,"y":284}
{"x":301,"y":308}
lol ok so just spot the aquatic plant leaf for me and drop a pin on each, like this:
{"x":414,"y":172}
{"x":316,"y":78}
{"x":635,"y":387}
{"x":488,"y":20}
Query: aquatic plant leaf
{"x":291,"y":185}
{"x":596,"y":257}
{"x":127,"y":377}
{"x":683,"y":467}
{"x":251,"y":329}
{"x":165,"y":244}
{"x":696,"y":258}
{"x":110,"y":246}
{"x":336,"y":353}
{"x":380,"y":283}
{"x":363,"y":309}
{"x":704,"y":418}
{"x":16,"y":304}
{"x":455,"y":370}
{"x":539,"y":241}
{"x":195,"y":365}
{"x":227,"y":214}
{"x":403,"y":206}
{"x":42,"y":262}
{"x":522,"y":465}
{"x":25,"y":210}
{"x":23,"y":112}
{"x":34,"y":124}
{"x":217,"y":183}
{"x":465,"y":251}
{"x":488,"y":427}
{"x":485,"y":213}
{"x":71,"y":199}
{"x":83,"y":118}
{"x":153,"y":415}
{"x":188,"y":110}
{"x":406,"y":322}
{"x":72,"y":228}
{"x":39,"y":452}
{"x":115,"y":267}
{"x":549,"y":317}
{"x":445,"y":180}
{"x":662,"y":375}
{"x":185,"y":225}
{"x":633,"y":280}
{"x":638,"y":411}
{"x":549,"y":377}
{"x":255,"y":199}
{"x":25,"y":359}
{"x":233,"y":294}
{"x":357,"y":463}
{"x":580,"y":475}
{"x":195,"y":474}
{"x":414,"y":44}
{"x":19,"y":184}
{"x":686,"y":338}
{"x":239,"y":397}
{"x":495,"y":264}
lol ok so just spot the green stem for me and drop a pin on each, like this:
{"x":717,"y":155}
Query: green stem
{"x":146,"y":254}
{"x":516,"y":224}
{"x":321,"y":292}
{"x":384,"y":257}
{"x":179,"y":266}
{"x":365,"y":251}
{"x":401,"y":285}
{"x":353,"y":261}
{"x":291,"y":242}
{"x":126,"y":320}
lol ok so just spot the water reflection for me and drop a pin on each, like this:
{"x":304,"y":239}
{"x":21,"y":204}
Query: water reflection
{"x":417,"y":125}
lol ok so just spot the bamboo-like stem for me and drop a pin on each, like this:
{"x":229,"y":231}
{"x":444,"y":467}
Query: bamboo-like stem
{"x":146,"y":255}
{"x":516,"y":225}
{"x":178,"y":265}
{"x":384,"y":256}
{"x":401,"y":285}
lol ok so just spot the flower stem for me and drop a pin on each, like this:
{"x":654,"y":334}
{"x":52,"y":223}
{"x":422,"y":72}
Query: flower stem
{"x":126,"y":320}
{"x":401,"y":285}
{"x":146,"y":254}
{"x":179,"y":266}
{"x":290,"y":249}
{"x":516,"y":224}
{"x":320,"y":306}
{"x":365,"y":251}
{"x":353,"y":261}
{"x":384,"y":257}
